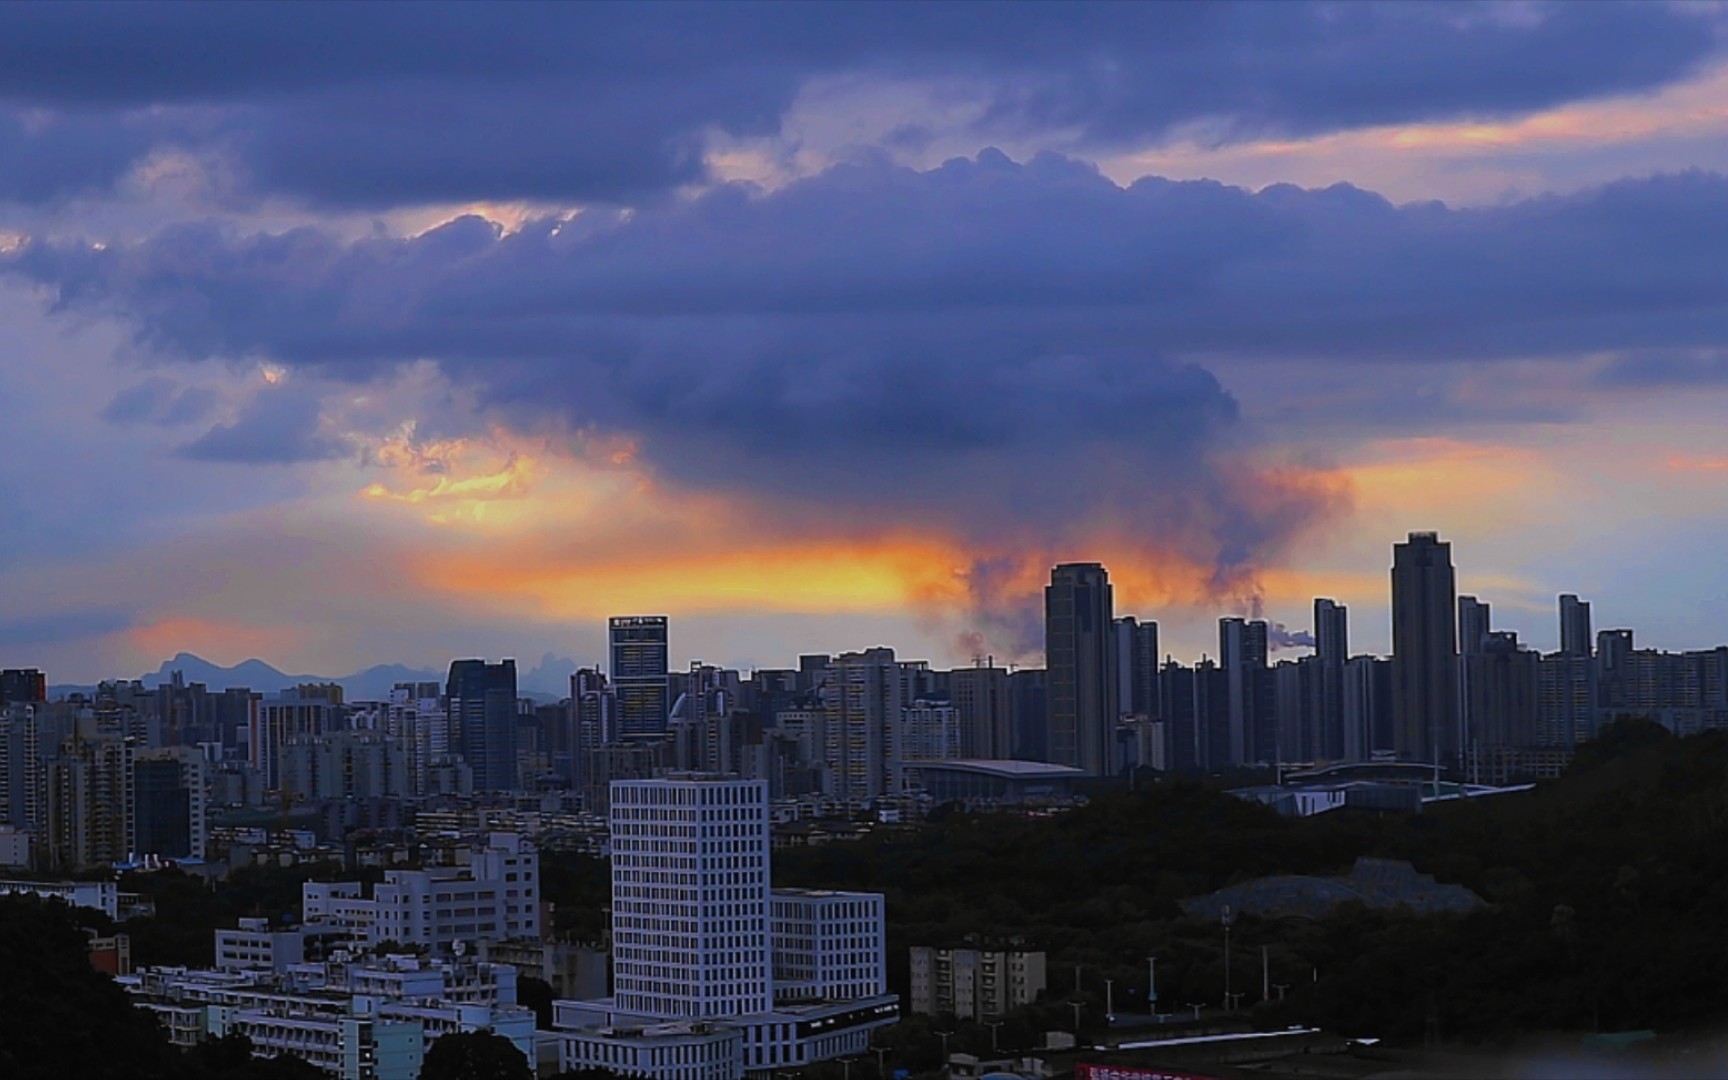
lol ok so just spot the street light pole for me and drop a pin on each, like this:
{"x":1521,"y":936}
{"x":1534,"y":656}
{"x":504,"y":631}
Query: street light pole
{"x":1075,"y":1005}
{"x":1227,"y":920}
{"x":993,"y":1025}
{"x":1109,"y":1000}
{"x":1152,"y":984}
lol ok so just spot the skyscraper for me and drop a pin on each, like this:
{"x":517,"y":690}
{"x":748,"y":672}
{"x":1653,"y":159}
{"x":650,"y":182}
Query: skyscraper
{"x":1425,"y":651}
{"x":1475,"y":623}
{"x":1080,"y":655}
{"x":1574,"y":626}
{"x":1242,"y":656}
{"x":1331,"y":650}
{"x":640,"y":684}
{"x":1137,"y":666}
{"x":482,"y":710}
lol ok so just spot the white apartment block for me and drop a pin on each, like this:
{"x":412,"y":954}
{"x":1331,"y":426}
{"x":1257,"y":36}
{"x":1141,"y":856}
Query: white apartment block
{"x":492,"y":894}
{"x":256,"y":947}
{"x":974,"y":984}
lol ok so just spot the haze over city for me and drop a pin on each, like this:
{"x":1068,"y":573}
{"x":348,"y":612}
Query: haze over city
{"x":339,"y":336}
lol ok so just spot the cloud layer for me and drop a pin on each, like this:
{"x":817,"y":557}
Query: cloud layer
{"x":379,"y":105}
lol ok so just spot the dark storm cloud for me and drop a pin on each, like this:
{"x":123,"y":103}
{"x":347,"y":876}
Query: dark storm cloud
{"x":987,"y":346}
{"x":43,"y":158}
{"x":388,"y":104}
{"x":279,"y":427}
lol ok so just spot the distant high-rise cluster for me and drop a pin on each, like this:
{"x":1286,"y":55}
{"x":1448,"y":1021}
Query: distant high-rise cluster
{"x":128,"y":772}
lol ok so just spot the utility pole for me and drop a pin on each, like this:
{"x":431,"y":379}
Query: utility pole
{"x":1076,"y":1006}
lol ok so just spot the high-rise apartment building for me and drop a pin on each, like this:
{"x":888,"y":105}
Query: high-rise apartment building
{"x":89,"y":803}
{"x":983,"y":711}
{"x":640,"y":683}
{"x":482,"y":710}
{"x":1080,"y":657}
{"x":863,"y":694}
{"x":1574,"y":626}
{"x":1137,"y":667}
{"x":1475,"y":623}
{"x":1425,"y":651}
{"x":1242,"y":655}
{"x":1029,"y":713}
{"x":301,"y":712}
{"x":22,"y":686}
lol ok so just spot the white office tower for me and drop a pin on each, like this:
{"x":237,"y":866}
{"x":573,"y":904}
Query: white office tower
{"x":715,"y":976}
{"x":690,"y":897}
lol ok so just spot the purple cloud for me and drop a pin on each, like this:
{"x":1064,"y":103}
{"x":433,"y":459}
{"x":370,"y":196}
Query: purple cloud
{"x":379,"y":105}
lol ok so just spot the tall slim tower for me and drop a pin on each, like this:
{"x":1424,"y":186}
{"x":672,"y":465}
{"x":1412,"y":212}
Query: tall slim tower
{"x":690,"y":916}
{"x":1331,"y":650}
{"x":1574,"y":626}
{"x":1080,"y":655}
{"x":639,"y":674}
{"x":1425,"y":651}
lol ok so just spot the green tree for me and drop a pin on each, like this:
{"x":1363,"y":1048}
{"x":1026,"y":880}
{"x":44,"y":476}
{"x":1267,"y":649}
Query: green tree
{"x":478,"y":1055}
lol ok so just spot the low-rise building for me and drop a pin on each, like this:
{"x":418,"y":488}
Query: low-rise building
{"x":104,"y":896}
{"x":974,"y":984}
{"x":253,"y":946}
{"x":492,"y":893}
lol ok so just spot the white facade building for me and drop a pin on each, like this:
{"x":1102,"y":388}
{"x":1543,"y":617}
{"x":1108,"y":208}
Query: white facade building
{"x":715,"y":975}
{"x":104,"y":896}
{"x":256,"y":947}
{"x":690,"y":897}
{"x":493,"y":894}
{"x":828,"y":946}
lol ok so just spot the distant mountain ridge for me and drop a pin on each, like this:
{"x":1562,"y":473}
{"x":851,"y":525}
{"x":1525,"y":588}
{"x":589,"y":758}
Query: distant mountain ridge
{"x":549,"y":679}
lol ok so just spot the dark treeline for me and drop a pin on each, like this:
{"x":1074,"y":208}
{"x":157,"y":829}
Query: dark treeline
{"x":1606,"y":908}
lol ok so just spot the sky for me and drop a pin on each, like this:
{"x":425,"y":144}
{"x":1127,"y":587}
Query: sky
{"x":344,"y":334}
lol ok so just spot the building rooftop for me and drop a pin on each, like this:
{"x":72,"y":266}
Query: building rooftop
{"x":1005,"y":768}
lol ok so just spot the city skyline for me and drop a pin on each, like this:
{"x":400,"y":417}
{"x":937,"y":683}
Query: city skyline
{"x":1196,"y":630}
{"x":854,"y":348}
